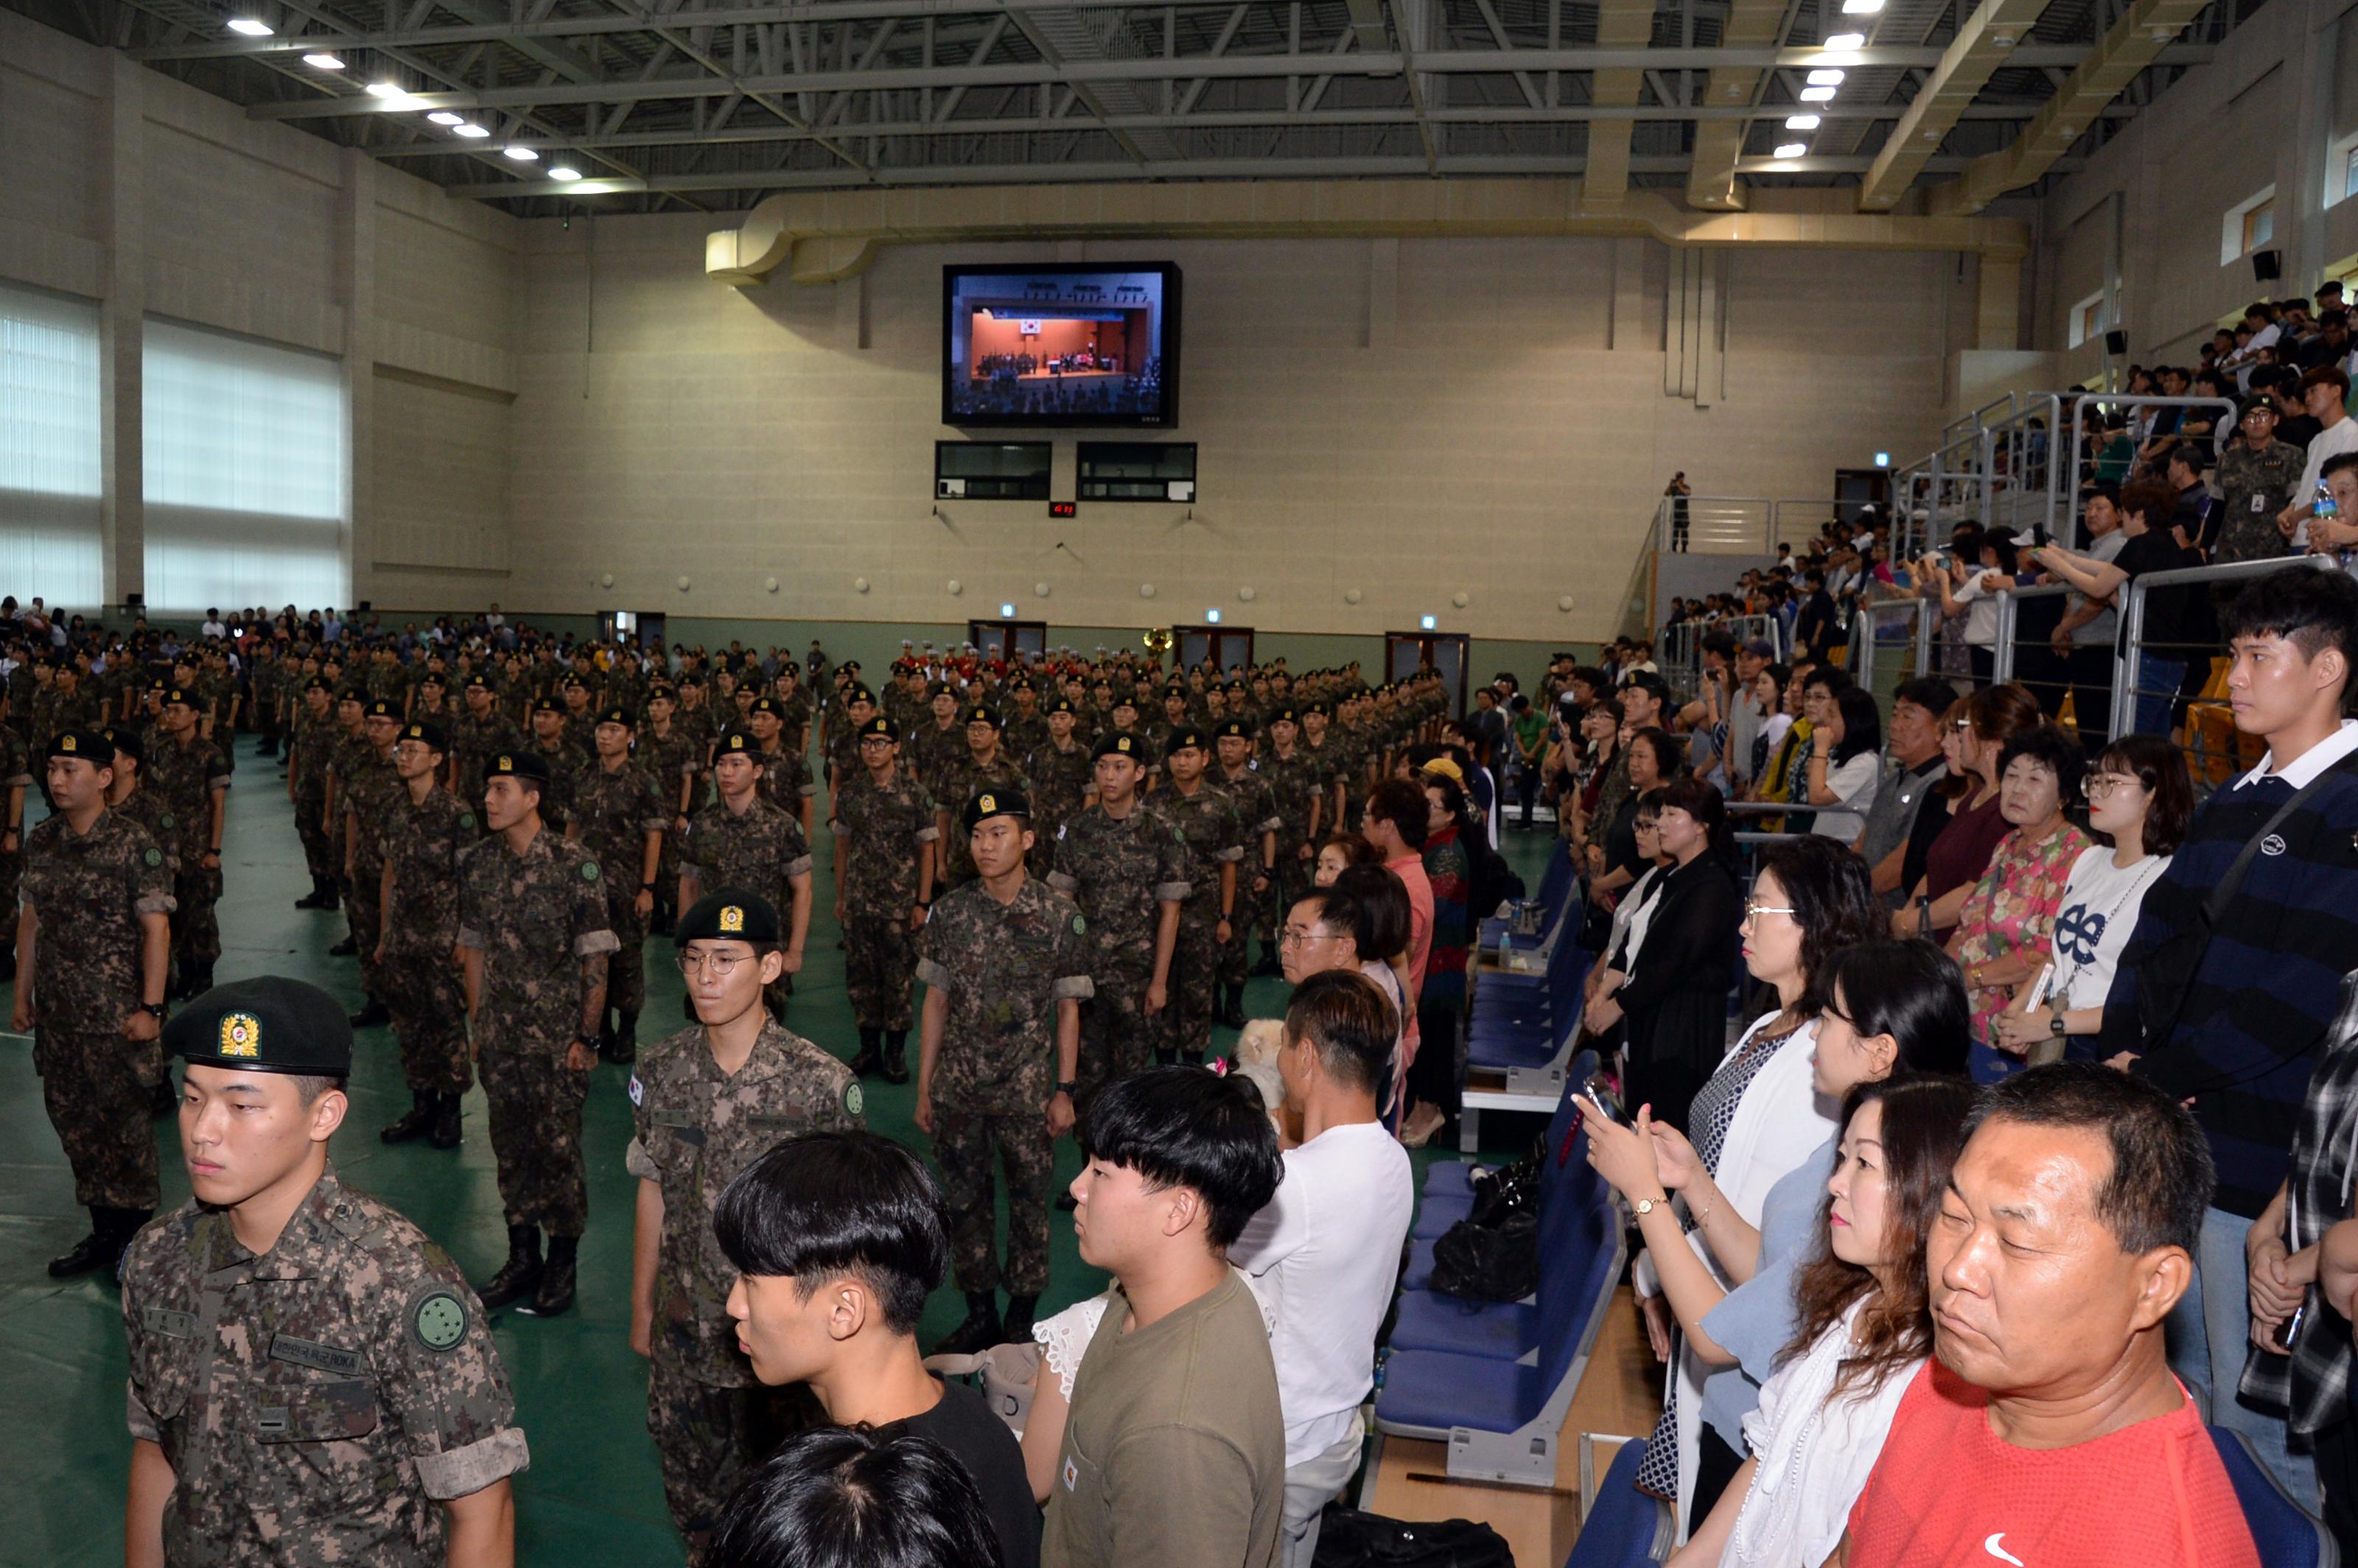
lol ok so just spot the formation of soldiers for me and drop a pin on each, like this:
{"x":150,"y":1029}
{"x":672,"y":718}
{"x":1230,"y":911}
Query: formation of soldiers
{"x":1073,"y":855}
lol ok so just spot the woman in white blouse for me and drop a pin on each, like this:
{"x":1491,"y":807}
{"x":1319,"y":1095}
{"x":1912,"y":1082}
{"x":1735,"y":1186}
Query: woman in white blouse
{"x":1866,"y":1330}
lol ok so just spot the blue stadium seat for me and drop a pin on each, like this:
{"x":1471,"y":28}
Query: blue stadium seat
{"x":1446,"y":1178}
{"x":1620,"y":1527}
{"x":2287,"y":1535}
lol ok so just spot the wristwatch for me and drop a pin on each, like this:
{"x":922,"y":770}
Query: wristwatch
{"x":155,"y":1009}
{"x":2055,"y":1024}
{"x":1645,"y":1206}
{"x":1069,"y":1086}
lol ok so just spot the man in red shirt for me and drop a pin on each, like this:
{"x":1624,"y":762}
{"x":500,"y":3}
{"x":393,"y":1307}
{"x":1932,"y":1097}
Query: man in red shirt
{"x":1395,"y":820}
{"x":2048,"y":1432}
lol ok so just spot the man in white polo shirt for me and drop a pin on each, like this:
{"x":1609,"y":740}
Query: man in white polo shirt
{"x":1325,"y":1253}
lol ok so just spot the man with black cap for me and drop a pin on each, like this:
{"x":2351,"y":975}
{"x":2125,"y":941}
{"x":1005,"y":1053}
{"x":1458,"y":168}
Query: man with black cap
{"x":786,"y":781}
{"x":1211,"y":836}
{"x":1006,"y":967}
{"x":536,"y":945}
{"x":886,"y":839}
{"x":1239,"y":774}
{"x":674,"y":759}
{"x":188,"y":773}
{"x":425,"y":828}
{"x":2257,"y":474}
{"x":560,"y":759}
{"x":705,"y":1103}
{"x":1125,"y":871}
{"x":1061,"y":772}
{"x":619,"y":815}
{"x":937,"y":740}
{"x":310,"y":738}
{"x":739,"y":840}
{"x":480,"y":732}
{"x":93,"y":946}
{"x":1295,"y":790}
{"x":311,"y":1380}
{"x":983,"y":767}
{"x":365,"y":793}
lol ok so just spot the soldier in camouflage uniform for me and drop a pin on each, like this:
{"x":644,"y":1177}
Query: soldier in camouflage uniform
{"x":365,"y":793}
{"x":93,"y":946}
{"x":336,"y":1398}
{"x":424,"y":828}
{"x":621,"y":817}
{"x":705,"y":1103}
{"x":936,"y":743}
{"x":1205,"y":820}
{"x":843,"y":765}
{"x":1060,"y":772}
{"x":310,"y":739}
{"x":1125,"y":869}
{"x":477,"y":734}
{"x":674,"y":759}
{"x":983,"y":767}
{"x":1027,"y":728}
{"x":190,"y":775}
{"x":1006,"y":966}
{"x":534,"y":938}
{"x":786,"y":781}
{"x":347,"y":755}
{"x":15,"y":781}
{"x":885,"y":843}
{"x":559,"y":758}
{"x":1301,"y":802}
{"x":738,"y":839}
{"x":1239,"y":774}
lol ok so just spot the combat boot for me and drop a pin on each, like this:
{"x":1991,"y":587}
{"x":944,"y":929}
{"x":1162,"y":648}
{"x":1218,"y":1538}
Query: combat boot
{"x":625,"y":1047}
{"x":372,"y":1013}
{"x":346,"y":948}
{"x":1016,"y":1328}
{"x":446,"y":1132}
{"x":91,"y":1252}
{"x":1232,"y":1006}
{"x":520,"y":1275}
{"x":419,"y":1118}
{"x":896,"y":1055}
{"x":870,"y":1055}
{"x":556,"y":1293}
{"x":321,"y":889}
{"x":980,"y":1330}
{"x":1270,"y":962}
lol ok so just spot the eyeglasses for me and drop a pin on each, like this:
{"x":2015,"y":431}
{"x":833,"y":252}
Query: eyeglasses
{"x":2101,"y":784}
{"x":1292,"y":936}
{"x":1755,"y":911}
{"x":721,"y":966}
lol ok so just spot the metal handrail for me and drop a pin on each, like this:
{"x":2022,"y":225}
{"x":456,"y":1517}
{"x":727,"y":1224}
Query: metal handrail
{"x":2219,"y":430}
{"x":2128,"y":666}
{"x":1719,"y":524}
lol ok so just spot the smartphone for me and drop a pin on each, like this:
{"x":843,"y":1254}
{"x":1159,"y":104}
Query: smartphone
{"x":1609,"y":1112}
{"x":2291,"y":1326}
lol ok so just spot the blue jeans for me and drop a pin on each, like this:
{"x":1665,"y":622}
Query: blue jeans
{"x":2158,"y":683}
{"x":2210,"y":1336}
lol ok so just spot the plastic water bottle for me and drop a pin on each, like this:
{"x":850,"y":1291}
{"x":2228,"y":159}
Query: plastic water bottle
{"x":2321,"y":507}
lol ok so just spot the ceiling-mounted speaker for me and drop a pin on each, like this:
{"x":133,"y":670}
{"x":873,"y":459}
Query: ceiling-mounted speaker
{"x":2116,"y":342}
{"x":2267,"y":265}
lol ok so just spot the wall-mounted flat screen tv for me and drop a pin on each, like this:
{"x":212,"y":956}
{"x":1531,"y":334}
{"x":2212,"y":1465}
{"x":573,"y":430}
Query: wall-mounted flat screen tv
{"x":1058,"y":346}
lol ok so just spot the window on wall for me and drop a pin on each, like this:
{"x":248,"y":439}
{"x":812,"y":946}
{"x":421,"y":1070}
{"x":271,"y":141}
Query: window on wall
{"x":245,"y":465}
{"x":51,"y":491}
{"x":2087,"y":320}
{"x":2248,"y":226}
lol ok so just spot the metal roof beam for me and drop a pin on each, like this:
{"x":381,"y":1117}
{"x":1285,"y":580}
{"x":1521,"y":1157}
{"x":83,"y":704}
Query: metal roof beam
{"x":1627,"y":25}
{"x":1985,"y":41}
{"x":1718,"y":144}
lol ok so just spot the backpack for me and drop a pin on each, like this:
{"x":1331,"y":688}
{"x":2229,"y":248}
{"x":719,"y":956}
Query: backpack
{"x":1490,"y":1263}
{"x":1350,"y":1539}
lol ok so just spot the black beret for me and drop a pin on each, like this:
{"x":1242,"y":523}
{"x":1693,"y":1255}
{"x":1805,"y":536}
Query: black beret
{"x":878,"y":727}
{"x":548,"y":705}
{"x":431,"y":735}
{"x":768,"y":705}
{"x":1240,"y":727}
{"x":175,"y":695}
{"x":1120,"y":743}
{"x":318,"y":683}
{"x":94,"y":746}
{"x":984,"y":713}
{"x":573,"y":682}
{"x":379,"y":708}
{"x":1062,"y":705}
{"x":991,"y":801}
{"x":731,"y":913}
{"x":663,"y":691}
{"x":432,"y":677}
{"x":128,"y":742}
{"x":268,"y":1025}
{"x":860,"y":694}
{"x":737,"y":741}
{"x":530,"y":766}
{"x":1285,"y":716}
{"x":1183,"y":739}
{"x":619,"y":715}
{"x":690,"y":677}
{"x":478,"y":682}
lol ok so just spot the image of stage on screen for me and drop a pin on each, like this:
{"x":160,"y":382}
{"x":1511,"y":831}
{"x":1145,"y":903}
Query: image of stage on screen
{"x":1060,"y":346}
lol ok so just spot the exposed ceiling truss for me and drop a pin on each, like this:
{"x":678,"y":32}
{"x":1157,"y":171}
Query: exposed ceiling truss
{"x":657,"y":103}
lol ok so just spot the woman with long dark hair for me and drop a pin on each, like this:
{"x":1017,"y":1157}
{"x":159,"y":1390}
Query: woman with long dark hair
{"x":1755,"y":1119}
{"x":1845,"y":765}
{"x":1866,"y":1326}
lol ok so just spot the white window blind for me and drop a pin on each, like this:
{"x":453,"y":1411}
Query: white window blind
{"x":245,"y":466}
{"x":50,"y":490}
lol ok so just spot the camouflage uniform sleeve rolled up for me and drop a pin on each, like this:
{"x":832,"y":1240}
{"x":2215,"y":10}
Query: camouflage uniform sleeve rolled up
{"x":639,"y":1158}
{"x":590,"y":930}
{"x":1073,"y":982}
{"x":798,"y":851}
{"x":1171,"y":883}
{"x":933,"y":950}
{"x":473,"y":911}
{"x":444,"y":1383}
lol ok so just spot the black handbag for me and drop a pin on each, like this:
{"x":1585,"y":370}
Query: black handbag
{"x":1350,"y":1539}
{"x":1488,"y":1263}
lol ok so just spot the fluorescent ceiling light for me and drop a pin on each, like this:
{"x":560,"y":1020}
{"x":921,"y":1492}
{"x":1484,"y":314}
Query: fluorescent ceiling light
{"x":247,"y":26}
{"x":1846,"y":41}
{"x":522,"y":155}
{"x":564,"y":172}
{"x":444,"y":117}
{"x":1861,"y":7}
{"x":1792,"y":150}
{"x":1800,"y":122}
{"x":1817,"y":94}
{"x":473,"y":131}
{"x":387,"y":90}
{"x":323,"y":62}
{"x":1825,"y":76}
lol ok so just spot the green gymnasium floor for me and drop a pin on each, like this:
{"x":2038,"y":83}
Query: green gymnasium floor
{"x":593,"y":1497}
